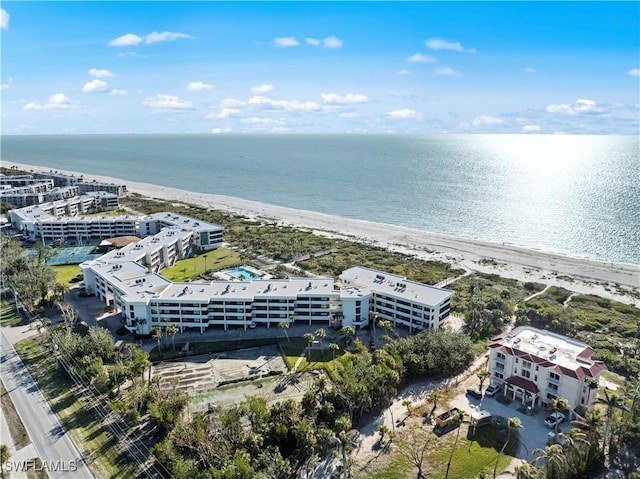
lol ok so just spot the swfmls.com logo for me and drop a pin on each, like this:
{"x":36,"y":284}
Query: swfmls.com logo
{"x":40,"y":466}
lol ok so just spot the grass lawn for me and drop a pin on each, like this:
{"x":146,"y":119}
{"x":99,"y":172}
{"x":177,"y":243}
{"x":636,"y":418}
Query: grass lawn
{"x":474,"y":453}
{"x":320,"y":359}
{"x":8,"y":316}
{"x":65,"y":273}
{"x":87,"y":433}
{"x":16,"y":428}
{"x":398,"y":467}
{"x":190,"y":268}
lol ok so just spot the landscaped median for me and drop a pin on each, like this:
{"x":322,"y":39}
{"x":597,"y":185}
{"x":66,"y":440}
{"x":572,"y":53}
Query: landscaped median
{"x":107,"y":462}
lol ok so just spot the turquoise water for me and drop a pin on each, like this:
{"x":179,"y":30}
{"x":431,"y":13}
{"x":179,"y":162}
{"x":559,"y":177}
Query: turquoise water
{"x":242,"y":274}
{"x":576,"y":195}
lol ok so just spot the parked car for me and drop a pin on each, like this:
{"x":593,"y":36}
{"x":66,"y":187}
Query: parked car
{"x":553,"y":419}
{"x":474,"y":393}
{"x":492,"y":390}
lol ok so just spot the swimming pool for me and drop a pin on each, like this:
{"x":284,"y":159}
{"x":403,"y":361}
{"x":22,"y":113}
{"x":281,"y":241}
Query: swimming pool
{"x":243,"y":274}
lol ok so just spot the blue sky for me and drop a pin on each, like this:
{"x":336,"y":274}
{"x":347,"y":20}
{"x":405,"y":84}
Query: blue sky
{"x":320,"y":67}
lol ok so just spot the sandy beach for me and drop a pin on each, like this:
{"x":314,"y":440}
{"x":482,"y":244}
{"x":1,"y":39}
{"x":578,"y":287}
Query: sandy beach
{"x":589,"y":276}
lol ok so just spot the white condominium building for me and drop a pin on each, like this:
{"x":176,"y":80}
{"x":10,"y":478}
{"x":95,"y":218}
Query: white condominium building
{"x":408,"y":303}
{"x":126,"y":279}
{"x":534,"y":367}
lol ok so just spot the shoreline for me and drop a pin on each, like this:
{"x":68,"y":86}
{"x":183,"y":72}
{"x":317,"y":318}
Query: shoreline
{"x":512,"y":261}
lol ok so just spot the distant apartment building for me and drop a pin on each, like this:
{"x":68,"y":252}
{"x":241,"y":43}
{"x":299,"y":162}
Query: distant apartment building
{"x":535,"y":367}
{"x":59,"y":179}
{"x":27,"y":194}
{"x":408,"y":303}
{"x":112,"y":188}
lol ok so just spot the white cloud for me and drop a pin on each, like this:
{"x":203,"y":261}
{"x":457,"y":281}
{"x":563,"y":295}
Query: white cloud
{"x":284,"y":42}
{"x":255,"y":120}
{"x":332,"y":42}
{"x":446,"y":71}
{"x":131,"y":39}
{"x":56,"y":102}
{"x":167,"y":103}
{"x":231,"y":103}
{"x":4,"y":19}
{"x":530,"y":128}
{"x":200,"y":86}
{"x":420,"y":58}
{"x":486,"y":120}
{"x":157,"y":37}
{"x":8,"y":84}
{"x":350,"y":115}
{"x":218,"y":131}
{"x":328,"y":42}
{"x":634,"y":72}
{"x":95,"y":86}
{"x":348,"y":99}
{"x":579,"y":107}
{"x":530,"y":70}
{"x":404,"y":72}
{"x":127,"y":54}
{"x":288,"y":105}
{"x":440,"y":44}
{"x":224,"y":113}
{"x":262,"y":89}
{"x":94,"y":72}
{"x":117,"y":92}
{"x":126,"y":40}
{"x":403,"y":113}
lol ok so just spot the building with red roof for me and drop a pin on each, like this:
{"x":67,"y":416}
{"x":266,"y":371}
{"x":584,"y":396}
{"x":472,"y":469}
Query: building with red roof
{"x":535,"y":366}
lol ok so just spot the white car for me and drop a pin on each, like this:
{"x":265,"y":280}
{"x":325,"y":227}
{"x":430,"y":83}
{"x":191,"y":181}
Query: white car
{"x":492,"y":390}
{"x":553,"y":419}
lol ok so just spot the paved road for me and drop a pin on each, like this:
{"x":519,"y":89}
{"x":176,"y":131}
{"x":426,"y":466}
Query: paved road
{"x":53,"y":444}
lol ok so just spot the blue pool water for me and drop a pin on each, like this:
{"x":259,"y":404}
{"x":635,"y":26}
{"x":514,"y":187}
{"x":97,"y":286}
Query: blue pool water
{"x":242,"y":274}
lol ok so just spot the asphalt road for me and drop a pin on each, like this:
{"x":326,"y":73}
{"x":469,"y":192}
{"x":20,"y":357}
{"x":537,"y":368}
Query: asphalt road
{"x":60,"y":457}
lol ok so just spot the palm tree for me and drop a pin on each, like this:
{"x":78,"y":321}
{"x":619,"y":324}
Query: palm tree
{"x":612,"y":401}
{"x":555,"y":461}
{"x":407,"y":403}
{"x":173,"y":330}
{"x":320,"y":334}
{"x":373,"y":315}
{"x":284,"y":325}
{"x":308,"y":337}
{"x":592,"y":384}
{"x":347,"y":331}
{"x":512,"y":423}
{"x":157,"y":334}
{"x":557,"y":405}
{"x":334,"y":347}
{"x":577,"y":447}
{"x":459,"y":420}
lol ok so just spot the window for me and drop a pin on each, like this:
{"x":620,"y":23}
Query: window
{"x":526,"y":364}
{"x":536,"y":367}
{"x":501,"y":356}
{"x":498,"y":375}
{"x":525,"y":373}
{"x":554,"y":377}
{"x":517,"y":360}
{"x":535,"y":378}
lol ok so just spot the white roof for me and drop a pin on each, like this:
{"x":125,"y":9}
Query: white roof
{"x":183,"y":221}
{"x":394,"y":285}
{"x":249,"y":290}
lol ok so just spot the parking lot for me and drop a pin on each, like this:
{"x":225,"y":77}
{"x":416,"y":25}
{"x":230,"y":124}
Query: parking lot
{"x":534,"y":433}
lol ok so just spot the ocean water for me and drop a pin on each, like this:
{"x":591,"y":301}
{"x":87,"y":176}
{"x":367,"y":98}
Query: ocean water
{"x":575,"y":195}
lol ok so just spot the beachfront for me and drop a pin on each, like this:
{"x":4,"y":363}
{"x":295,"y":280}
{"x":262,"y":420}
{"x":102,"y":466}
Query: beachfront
{"x":508,"y":260}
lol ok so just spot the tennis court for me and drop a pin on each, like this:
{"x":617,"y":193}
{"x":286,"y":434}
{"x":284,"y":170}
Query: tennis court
{"x":74,"y":255}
